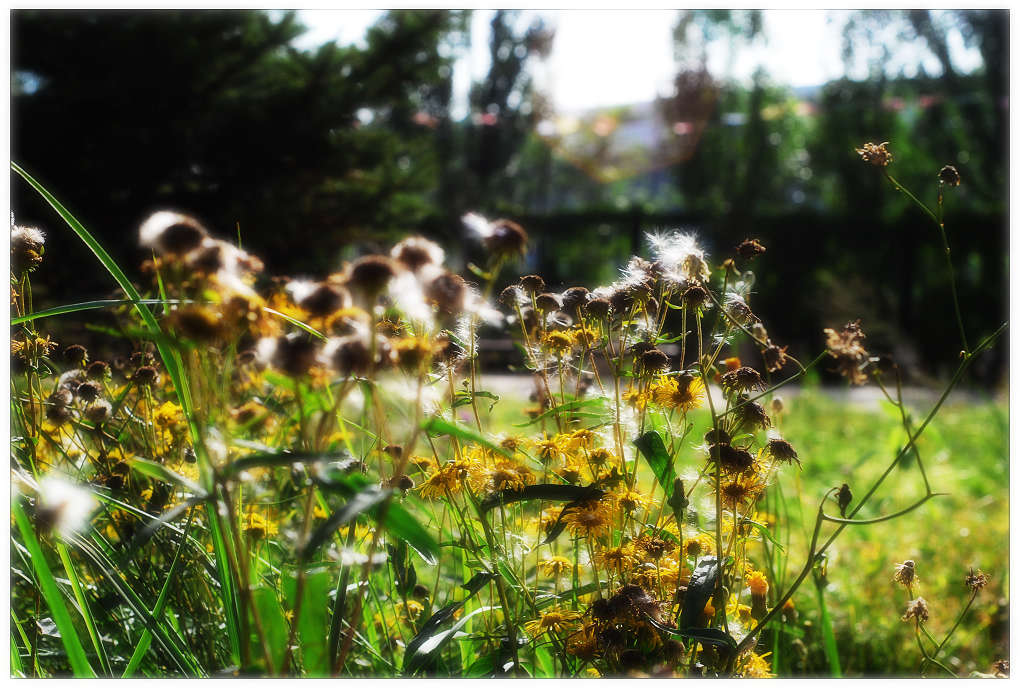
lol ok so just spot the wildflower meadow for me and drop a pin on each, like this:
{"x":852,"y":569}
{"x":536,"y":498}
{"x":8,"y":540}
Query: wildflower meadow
{"x":312,"y":477}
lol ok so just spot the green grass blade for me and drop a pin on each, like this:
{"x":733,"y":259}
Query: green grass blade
{"x":86,"y":612}
{"x":87,"y":306}
{"x":828,"y":637}
{"x":157,"y":611}
{"x":48,"y":586}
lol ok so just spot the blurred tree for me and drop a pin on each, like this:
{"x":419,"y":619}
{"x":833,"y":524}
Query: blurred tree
{"x":214,"y":112}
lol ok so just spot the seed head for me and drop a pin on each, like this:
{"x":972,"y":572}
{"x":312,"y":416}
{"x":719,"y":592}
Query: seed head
{"x":97,"y":370}
{"x":448,"y":292}
{"x":144,"y":376}
{"x":775,"y":357}
{"x":76,"y":354}
{"x":598,"y":307}
{"x":533,"y":284}
{"x":26,"y":248}
{"x":369,"y":275}
{"x":172,"y":233}
{"x":976,"y":581}
{"x":847,"y":349}
{"x":781,"y":450}
{"x":844,"y":497}
{"x":750,"y":248}
{"x":574,"y":298}
{"x":294,"y":354}
{"x":742,"y":380}
{"x":89,"y":391}
{"x":548,"y":302}
{"x":320,"y":300}
{"x":916,"y":609}
{"x":507,"y":239}
{"x":694,"y":296}
{"x":905,"y":574}
{"x":63,"y":506}
{"x":654,"y":360}
{"x":98,"y":412}
{"x":875,"y":154}
{"x":752,"y":414}
{"x":417,"y":252}
{"x":949,"y":176}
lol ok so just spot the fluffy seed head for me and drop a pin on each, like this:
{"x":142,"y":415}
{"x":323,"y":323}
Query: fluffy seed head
{"x":173,"y":233}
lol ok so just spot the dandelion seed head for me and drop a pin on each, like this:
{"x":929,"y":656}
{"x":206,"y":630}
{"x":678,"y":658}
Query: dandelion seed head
{"x":65,"y":506}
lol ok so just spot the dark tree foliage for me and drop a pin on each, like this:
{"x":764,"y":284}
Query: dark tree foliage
{"x":211,"y":111}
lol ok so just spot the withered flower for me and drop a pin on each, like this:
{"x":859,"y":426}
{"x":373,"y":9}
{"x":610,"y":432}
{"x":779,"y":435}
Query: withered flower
{"x":846,"y":347}
{"x":875,"y":154}
{"x":750,"y":248}
{"x":949,"y":176}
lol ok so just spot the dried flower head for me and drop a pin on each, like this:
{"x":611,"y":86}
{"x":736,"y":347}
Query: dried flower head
{"x":548,"y":302}
{"x":574,"y":298}
{"x":63,"y":506}
{"x":416,"y":252}
{"x":76,"y":354}
{"x":503,"y":238}
{"x":905,"y":573}
{"x":318,"y":299}
{"x":533,"y":284}
{"x":916,"y":609}
{"x":846,"y":347}
{"x":742,"y":379}
{"x":598,"y":307}
{"x":172,"y":233}
{"x":875,"y":154}
{"x":949,"y":176}
{"x":26,"y":248}
{"x":694,"y":296}
{"x":448,"y":292}
{"x":97,"y":370}
{"x":774,"y":357}
{"x":98,"y":412}
{"x":750,"y":248}
{"x":654,"y":360}
{"x":781,"y":450}
{"x":369,"y":275}
{"x":976,"y":581}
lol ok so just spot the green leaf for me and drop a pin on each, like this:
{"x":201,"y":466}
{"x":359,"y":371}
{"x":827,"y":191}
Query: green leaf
{"x":764,"y":530}
{"x":151,"y":469}
{"x":275,"y":459}
{"x":652,"y":448}
{"x":402,"y":525}
{"x":314,"y":621}
{"x":547,"y":491}
{"x":90,"y":305}
{"x":430,"y":640}
{"x":699,"y":591}
{"x":403,"y":569}
{"x":426,"y":646}
{"x":274,"y":625}
{"x":48,"y":586}
{"x":563,"y":408}
{"x":438,"y":426}
{"x":368,"y":497}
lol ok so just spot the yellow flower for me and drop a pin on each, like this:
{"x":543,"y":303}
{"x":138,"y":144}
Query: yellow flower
{"x":636,"y":398}
{"x":617,"y":559}
{"x":756,"y":667}
{"x":678,"y":392}
{"x":631,"y":500}
{"x":556,"y":566}
{"x":591,"y":519}
{"x":758,"y":584}
{"x":509,"y":476}
{"x":548,"y":449}
{"x":559,"y":342}
{"x":168,"y":416}
{"x":555,"y":621}
{"x":257,"y":526}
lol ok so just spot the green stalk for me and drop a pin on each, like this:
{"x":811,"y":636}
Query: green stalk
{"x":48,"y":586}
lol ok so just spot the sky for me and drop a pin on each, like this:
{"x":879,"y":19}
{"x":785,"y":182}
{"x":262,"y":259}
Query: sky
{"x":614,"y":57}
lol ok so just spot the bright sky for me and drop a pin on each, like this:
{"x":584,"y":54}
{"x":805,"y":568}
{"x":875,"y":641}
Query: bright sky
{"x":614,"y":57}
